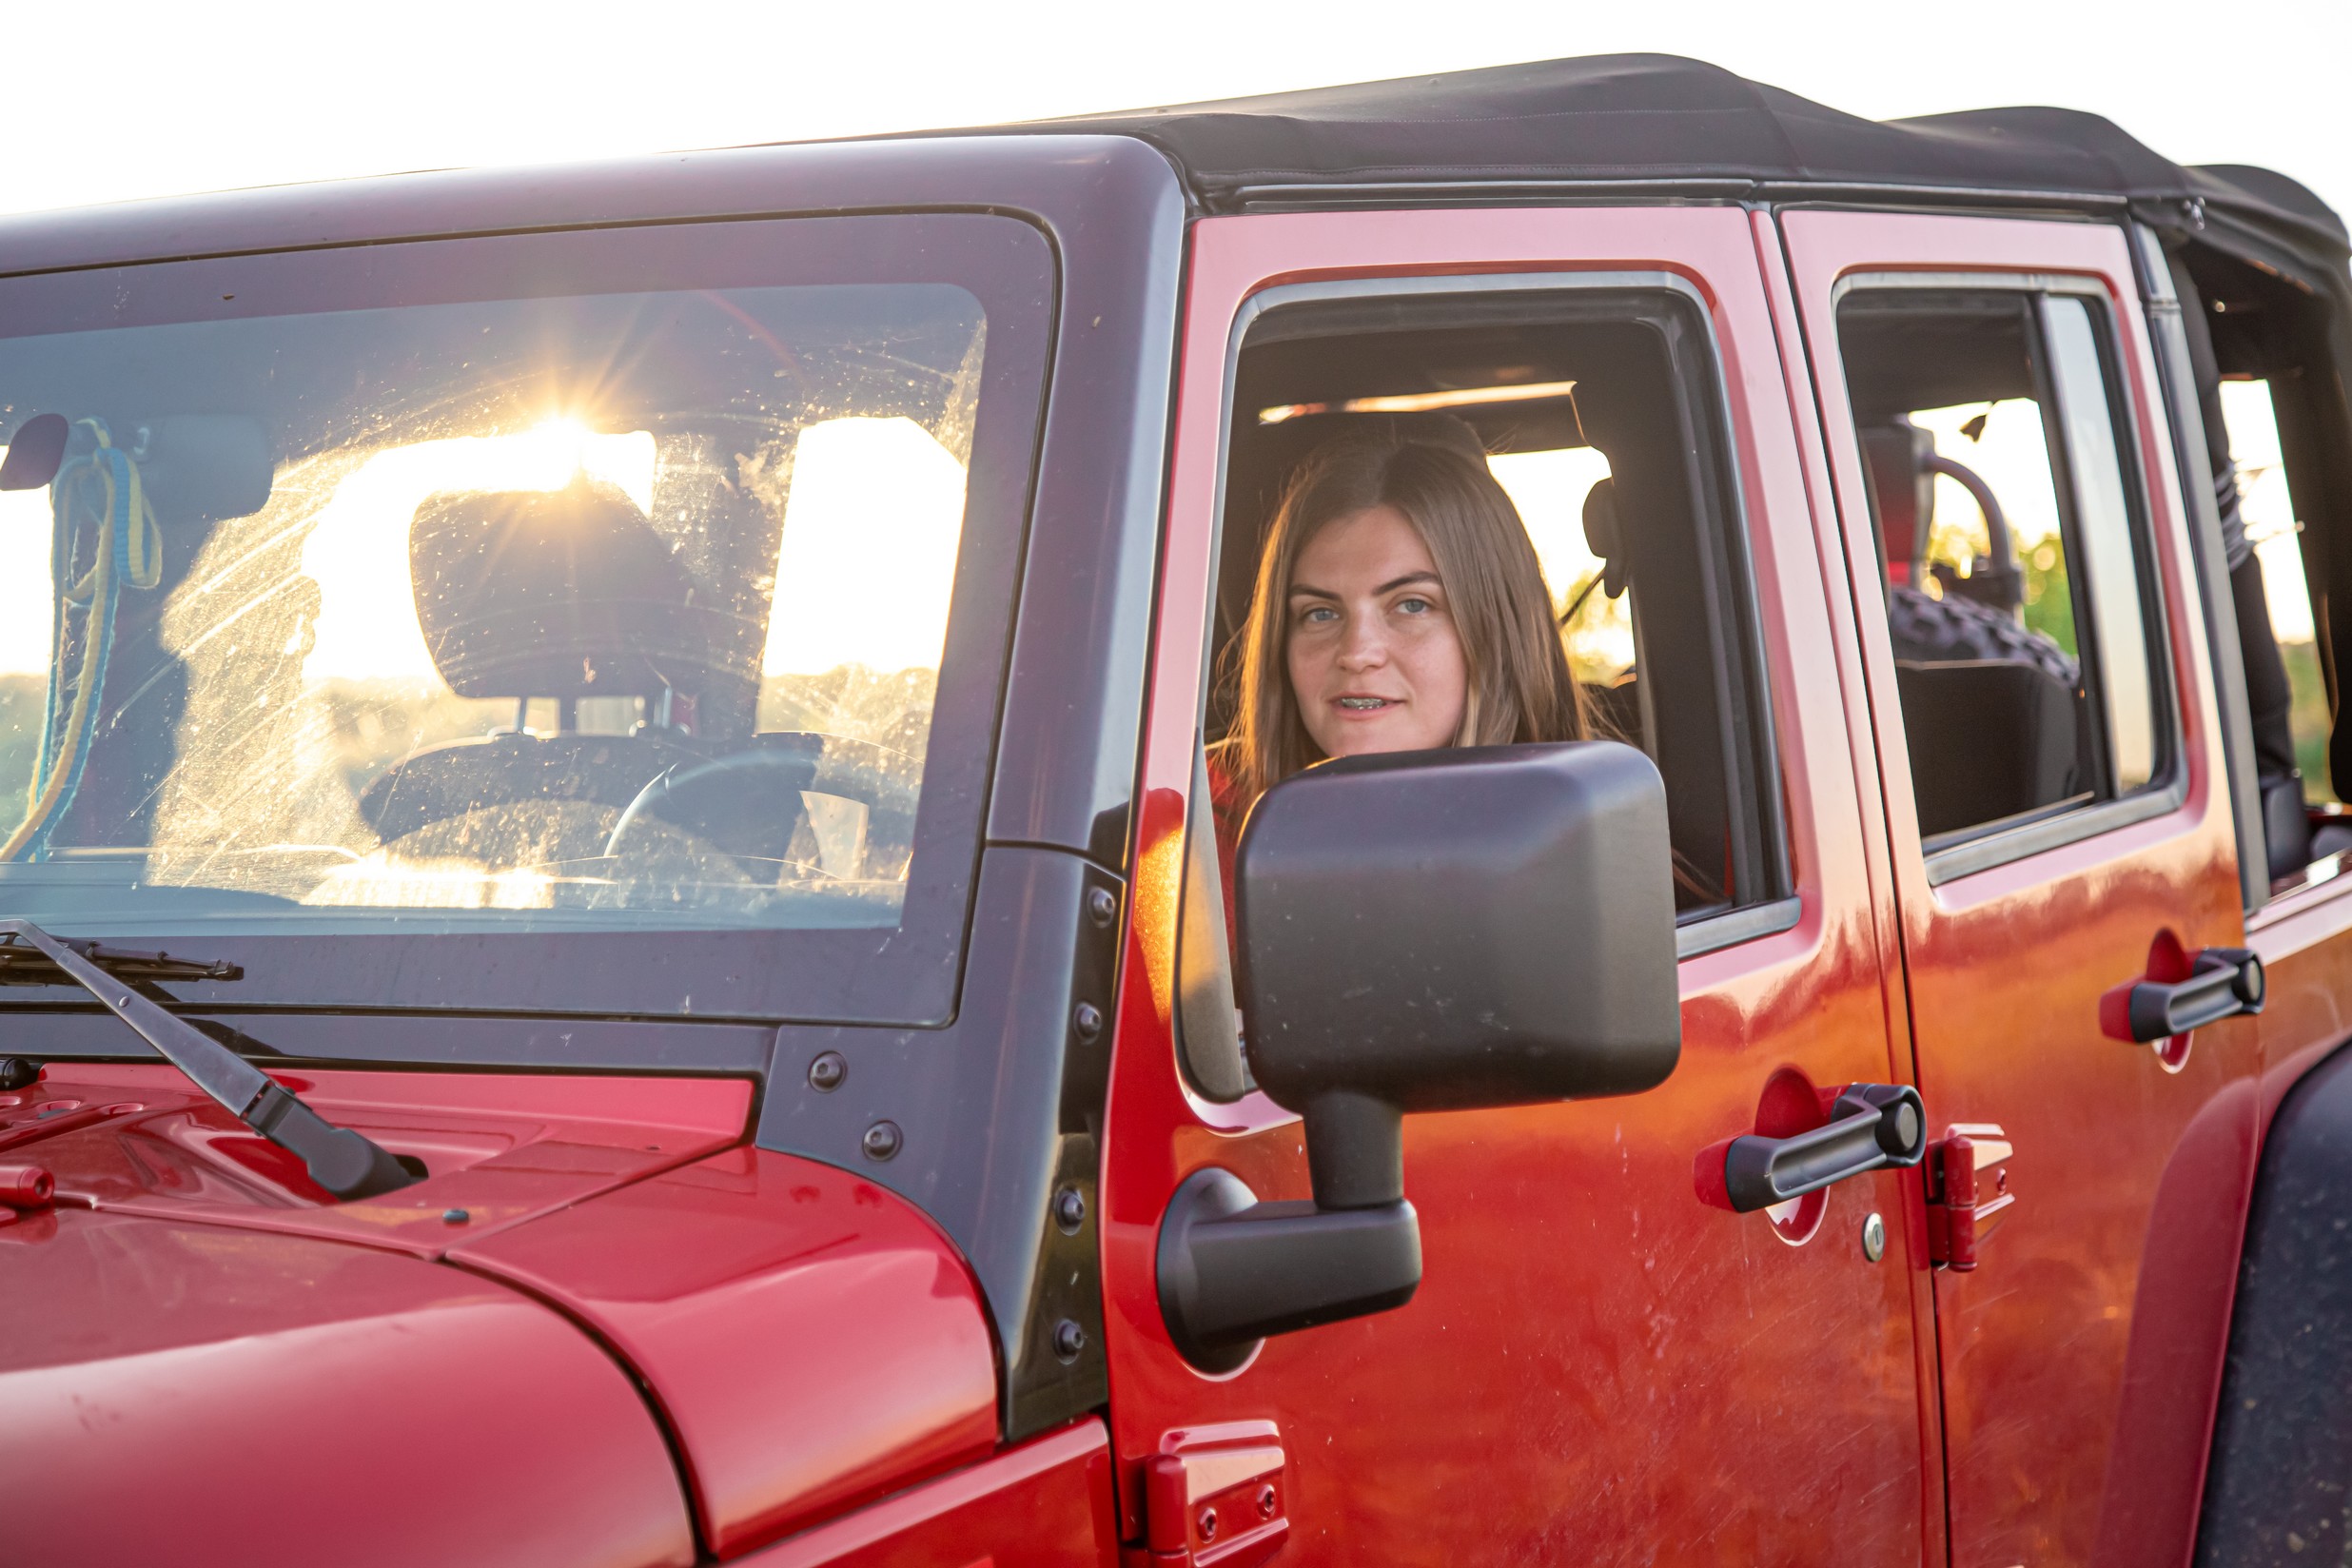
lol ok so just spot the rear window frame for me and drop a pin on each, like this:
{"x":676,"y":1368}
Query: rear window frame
{"x":1983,"y":848}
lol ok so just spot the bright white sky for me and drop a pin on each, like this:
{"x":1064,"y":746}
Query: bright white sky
{"x":163,"y":98}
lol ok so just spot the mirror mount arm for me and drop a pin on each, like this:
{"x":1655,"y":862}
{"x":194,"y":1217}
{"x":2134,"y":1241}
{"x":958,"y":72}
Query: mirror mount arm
{"x":1233,"y":1271}
{"x":1355,"y":1151}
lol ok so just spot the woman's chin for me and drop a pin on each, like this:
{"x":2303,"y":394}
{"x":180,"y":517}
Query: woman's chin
{"x":1373,"y":737}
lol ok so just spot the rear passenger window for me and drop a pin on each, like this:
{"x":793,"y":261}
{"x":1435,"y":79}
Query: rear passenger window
{"x":2021,"y":604}
{"x":1600,"y":411}
{"x":2274,"y":527}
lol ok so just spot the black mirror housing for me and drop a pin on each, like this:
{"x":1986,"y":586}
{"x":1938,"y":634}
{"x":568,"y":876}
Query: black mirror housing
{"x":1473,"y":927}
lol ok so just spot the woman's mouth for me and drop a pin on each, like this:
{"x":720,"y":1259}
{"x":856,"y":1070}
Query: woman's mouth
{"x":1366,"y":704}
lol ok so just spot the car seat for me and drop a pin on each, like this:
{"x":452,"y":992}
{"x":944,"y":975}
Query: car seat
{"x":1993,"y":714}
{"x":563,"y":594}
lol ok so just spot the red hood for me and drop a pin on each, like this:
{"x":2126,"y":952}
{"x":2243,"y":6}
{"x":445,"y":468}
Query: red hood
{"x":199,"y":1394}
{"x":809,"y":1340}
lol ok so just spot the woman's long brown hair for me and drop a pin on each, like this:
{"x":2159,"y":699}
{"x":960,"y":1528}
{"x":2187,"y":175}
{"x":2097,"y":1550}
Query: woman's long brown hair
{"x":1521,"y":689}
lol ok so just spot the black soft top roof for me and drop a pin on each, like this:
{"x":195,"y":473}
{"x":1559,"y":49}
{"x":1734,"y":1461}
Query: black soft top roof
{"x":1659,"y":119}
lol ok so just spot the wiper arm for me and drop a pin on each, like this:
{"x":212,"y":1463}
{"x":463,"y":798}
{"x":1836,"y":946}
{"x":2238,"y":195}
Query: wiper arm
{"x":344,"y":1161}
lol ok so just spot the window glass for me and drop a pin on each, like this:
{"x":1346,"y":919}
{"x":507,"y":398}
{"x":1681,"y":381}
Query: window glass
{"x":2103,"y":536}
{"x":615,"y":610}
{"x":2268,"y":503}
{"x":2019,"y":606}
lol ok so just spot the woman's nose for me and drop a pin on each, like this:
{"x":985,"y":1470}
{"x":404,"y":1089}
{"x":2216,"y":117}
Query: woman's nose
{"x":1364,"y":648}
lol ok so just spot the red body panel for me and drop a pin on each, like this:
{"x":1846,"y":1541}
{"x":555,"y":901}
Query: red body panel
{"x":1597,"y":1368}
{"x":2080,"y":1358}
{"x":1045,"y":1504}
{"x":196,"y":1394}
{"x":812,"y":1339}
{"x":137,"y":1139}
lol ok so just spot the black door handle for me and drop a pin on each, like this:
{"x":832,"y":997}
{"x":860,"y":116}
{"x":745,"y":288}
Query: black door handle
{"x":2222,"y":982}
{"x":1871,"y":1128}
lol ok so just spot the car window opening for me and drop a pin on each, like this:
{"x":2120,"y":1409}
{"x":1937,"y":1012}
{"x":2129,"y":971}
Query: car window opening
{"x":2276,"y":428}
{"x":2020,"y":601}
{"x":1595,"y":412}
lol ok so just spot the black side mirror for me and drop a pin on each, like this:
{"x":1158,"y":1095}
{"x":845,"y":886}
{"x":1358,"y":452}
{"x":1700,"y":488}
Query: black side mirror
{"x":1423,"y":931}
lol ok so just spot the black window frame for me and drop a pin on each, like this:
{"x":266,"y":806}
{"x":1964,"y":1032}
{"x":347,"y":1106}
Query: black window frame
{"x":1985,"y":846}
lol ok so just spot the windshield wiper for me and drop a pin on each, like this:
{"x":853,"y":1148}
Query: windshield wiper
{"x":344,"y":1161}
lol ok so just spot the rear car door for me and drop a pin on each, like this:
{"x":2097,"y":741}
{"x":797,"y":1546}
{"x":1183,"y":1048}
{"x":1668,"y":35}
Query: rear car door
{"x":2059,"y":824}
{"x":1604,"y":1363}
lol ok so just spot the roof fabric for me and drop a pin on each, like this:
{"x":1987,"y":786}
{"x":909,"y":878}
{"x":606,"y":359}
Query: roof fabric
{"x":1659,"y":117}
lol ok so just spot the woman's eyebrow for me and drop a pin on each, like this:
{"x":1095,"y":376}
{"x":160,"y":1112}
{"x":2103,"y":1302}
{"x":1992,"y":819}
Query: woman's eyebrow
{"x":1310,"y":591}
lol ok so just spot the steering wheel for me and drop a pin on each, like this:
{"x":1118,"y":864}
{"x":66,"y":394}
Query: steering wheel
{"x":748,"y":803}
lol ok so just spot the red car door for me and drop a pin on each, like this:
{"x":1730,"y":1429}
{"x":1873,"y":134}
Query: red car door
{"x":2059,"y":827}
{"x":1600,"y":1365}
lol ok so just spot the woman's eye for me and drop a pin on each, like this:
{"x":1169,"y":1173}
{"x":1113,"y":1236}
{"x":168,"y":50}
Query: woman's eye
{"x":1319,"y":615}
{"x":1414,"y":606}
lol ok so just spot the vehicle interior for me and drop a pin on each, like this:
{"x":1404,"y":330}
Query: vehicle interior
{"x":1980,"y":533}
{"x":2264,"y":338}
{"x":568,"y":514}
{"x":1598,"y":411}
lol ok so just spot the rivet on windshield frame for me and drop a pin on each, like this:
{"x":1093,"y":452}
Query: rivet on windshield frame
{"x":1088,"y":1020}
{"x":1873,"y":1238}
{"x":1069,"y":1210}
{"x":881,"y":1141}
{"x":1102,"y":907}
{"x":827,"y":1072}
{"x":1068,"y":1339}
{"x":455,"y":1216}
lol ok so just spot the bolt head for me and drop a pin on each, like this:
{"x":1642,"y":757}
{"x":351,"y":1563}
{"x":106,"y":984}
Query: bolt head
{"x":1873,"y":1238}
{"x":455,"y":1216}
{"x":1101,"y":907}
{"x":1209,"y":1523}
{"x":1088,"y":1021}
{"x":1069,"y":1210}
{"x":828,"y":1071}
{"x":1068,"y":1339}
{"x":881,"y":1141}
{"x":1266,"y":1501}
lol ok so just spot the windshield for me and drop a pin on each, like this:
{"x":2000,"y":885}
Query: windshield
{"x":604,"y":610}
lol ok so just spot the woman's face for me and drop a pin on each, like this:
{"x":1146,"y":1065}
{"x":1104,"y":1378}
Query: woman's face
{"x":1375,"y":660}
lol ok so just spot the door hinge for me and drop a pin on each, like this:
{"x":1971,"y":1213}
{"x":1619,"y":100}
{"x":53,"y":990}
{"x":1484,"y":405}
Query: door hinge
{"x":1214,"y":1496}
{"x":1960,"y":1211}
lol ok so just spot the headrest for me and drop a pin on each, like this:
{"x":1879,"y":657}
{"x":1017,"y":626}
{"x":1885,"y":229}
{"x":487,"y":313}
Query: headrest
{"x":564,"y":592}
{"x":1604,"y":534}
{"x":1896,"y":459}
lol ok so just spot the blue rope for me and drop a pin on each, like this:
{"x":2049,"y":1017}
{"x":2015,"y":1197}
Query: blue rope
{"x":128,"y":535}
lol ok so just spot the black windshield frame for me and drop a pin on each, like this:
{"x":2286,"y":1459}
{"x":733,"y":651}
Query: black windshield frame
{"x":904,"y":976}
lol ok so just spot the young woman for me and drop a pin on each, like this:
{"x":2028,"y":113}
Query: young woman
{"x":1399,"y":606}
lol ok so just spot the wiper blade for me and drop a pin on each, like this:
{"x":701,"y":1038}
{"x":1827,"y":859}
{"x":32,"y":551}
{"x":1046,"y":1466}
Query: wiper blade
{"x":21,"y":963}
{"x":344,"y":1161}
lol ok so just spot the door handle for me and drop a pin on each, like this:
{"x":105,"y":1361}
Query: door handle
{"x":1871,"y":1126}
{"x":2223,"y":983}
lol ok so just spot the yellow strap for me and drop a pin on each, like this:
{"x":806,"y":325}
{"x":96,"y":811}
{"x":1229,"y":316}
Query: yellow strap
{"x":46,"y":801}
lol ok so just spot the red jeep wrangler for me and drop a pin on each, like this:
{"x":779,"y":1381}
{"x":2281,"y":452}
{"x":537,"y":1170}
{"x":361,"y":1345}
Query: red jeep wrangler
{"x":617,"y":948}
